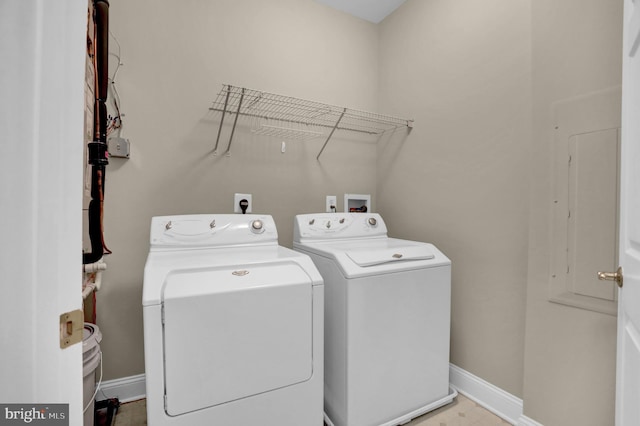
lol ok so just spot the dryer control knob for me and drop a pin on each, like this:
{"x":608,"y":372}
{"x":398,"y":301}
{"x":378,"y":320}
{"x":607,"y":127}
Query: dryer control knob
{"x":372,"y":221}
{"x":257,"y":226}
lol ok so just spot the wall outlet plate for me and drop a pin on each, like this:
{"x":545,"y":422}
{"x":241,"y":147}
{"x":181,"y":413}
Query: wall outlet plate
{"x":331,"y":206}
{"x":236,"y":202}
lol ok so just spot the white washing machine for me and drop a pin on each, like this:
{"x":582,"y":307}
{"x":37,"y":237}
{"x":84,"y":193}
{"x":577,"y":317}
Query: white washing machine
{"x":233,"y":325}
{"x":387,"y":319}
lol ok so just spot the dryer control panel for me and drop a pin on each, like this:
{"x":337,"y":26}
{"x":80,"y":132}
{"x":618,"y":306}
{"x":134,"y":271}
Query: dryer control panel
{"x":326,"y":226}
{"x":211,"y":230}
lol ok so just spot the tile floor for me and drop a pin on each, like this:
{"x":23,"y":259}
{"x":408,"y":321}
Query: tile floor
{"x":461,"y":412}
{"x":132,"y":414}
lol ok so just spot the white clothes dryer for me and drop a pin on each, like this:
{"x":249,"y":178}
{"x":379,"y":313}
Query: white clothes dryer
{"x":387,"y":319}
{"x":233,"y":325}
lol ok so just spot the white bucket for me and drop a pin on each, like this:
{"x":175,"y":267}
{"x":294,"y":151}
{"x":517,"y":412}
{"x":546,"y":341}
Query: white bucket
{"x":91,"y":358}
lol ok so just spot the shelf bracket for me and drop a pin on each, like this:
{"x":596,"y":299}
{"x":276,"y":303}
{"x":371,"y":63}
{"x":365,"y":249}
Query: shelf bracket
{"x":224,"y":111}
{"x":235,"y":121}
{"x":331,"y":134}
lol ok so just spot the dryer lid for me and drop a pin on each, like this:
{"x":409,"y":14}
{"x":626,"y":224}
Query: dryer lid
{"x":234,"y":332}
{"x":365,"y":258}
{"x":161,"y":265}
{"x":184,"y":283}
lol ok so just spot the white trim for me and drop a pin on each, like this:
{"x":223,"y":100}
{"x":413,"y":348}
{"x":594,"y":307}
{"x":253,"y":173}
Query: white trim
{"x":125,"y":389}
{"x":416,"y":413}
{"x":491,"y":397}
{"x":494,"y":399}
{"x":526,"y":421}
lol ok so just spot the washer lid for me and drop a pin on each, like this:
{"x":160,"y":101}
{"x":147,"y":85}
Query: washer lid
{"x":366,"y":258}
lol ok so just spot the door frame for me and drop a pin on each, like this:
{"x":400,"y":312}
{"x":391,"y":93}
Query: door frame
{"x":41,"y":117}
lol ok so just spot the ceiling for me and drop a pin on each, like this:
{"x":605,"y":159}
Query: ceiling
{"x":370,"y":10}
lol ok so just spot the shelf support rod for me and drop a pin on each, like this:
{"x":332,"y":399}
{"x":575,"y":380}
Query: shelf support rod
{"x":224,"y":111}
{"x":235,"y":121}
{"x":331,"y":134}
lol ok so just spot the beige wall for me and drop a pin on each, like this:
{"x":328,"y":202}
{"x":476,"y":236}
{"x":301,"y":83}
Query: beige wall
{"x":570,"y":353}
{"x":176,"y":56}
{"x":462,"y":69}
{"x":473,"y":176}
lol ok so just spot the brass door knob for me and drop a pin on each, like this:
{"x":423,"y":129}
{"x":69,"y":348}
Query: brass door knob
{"x":612,"y":276}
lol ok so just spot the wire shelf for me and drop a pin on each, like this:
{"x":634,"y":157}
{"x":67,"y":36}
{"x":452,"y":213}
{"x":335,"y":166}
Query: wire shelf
{"x":286,"y":132}
{"x":240,"y":101}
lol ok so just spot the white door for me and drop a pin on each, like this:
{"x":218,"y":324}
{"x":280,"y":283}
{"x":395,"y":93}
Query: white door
{"x":41,"y":119}
{"x":628,"y":360}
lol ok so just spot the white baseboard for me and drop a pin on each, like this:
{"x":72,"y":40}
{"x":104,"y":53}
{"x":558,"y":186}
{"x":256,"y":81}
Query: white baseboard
{"x":491,"y":397}
{"x":125,"y":389}
{"x":526,"y":421}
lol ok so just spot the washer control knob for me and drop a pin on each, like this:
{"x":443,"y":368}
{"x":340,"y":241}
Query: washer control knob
{"x":312,"y":221}
{"x":328,"y":224}
{"x":342,"y":220}
{"x":372,"y":221}
{"x":257,"y":226}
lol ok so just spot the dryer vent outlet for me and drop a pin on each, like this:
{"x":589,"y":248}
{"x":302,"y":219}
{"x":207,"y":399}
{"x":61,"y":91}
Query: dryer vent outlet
{"x":242,"y":203}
